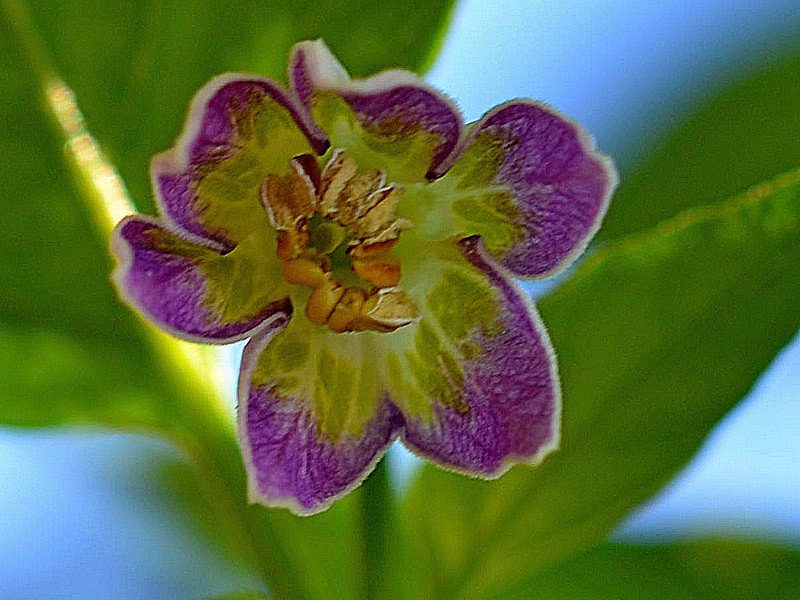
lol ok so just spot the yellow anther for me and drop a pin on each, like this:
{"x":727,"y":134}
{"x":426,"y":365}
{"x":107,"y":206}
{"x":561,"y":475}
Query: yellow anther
{"x":382,"y":272}
{"x":347,"y":310}
{"x":323,"y":300}
{"x":367,"y":251}
{"x":303,"y":271}
{"x":387,"y":309}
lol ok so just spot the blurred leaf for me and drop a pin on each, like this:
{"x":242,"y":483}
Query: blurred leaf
{"x":717,"y":570}
{"x":323,"y":550}
{"x":744,"y":135}
{"x":331,"y":547}
{"x":134,"y":66}
{"x":657,"y":336}
{"x":71,"y":353}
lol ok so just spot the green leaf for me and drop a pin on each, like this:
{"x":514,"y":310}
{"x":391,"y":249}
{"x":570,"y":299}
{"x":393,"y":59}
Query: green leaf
{"x":657,"y":337}
{"x":134,"y":66}
{"x":71,"y":353}
{"x":329,"y":550}
{"x":717,"y":570}
{"x":742,"y":136}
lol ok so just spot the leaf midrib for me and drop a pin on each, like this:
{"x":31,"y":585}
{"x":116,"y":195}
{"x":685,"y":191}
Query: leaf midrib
{"x":611,"y":513}
{"x":683,"y":222}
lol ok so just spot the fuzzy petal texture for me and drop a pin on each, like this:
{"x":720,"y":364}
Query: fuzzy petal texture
{"x":461,"y":368}
{"x":239,"y":128}
{"x":291,"y":461}
{"x":189,"y":287}
{"x":473,"y":388}
{"x":391,"y":104}
{"x":530,"y":181}
{"x":478,"y":388}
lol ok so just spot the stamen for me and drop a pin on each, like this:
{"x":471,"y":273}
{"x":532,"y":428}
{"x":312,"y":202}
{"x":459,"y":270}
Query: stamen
{"x":303,"y":271}
{"x":383,"y":272}
{"x":379,"y":223}
{"x":339,"y":170}
{"x":290,"y":202}
{"x":323,"y":301}
{"x":353,"y":206}
{"x":372,"y":250}
{"x":310,"y":168}
{"x":388,"y":309}
{"x":347,"y":311}
{"x":354,"y":200}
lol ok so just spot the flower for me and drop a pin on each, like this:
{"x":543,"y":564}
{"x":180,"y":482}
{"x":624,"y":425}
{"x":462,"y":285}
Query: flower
{"x":365,"y":240}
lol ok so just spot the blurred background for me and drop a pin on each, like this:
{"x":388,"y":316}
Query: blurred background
{"x":77,"y":507}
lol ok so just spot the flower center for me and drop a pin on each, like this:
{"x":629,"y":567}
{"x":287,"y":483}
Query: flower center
{"x":336,"y":231}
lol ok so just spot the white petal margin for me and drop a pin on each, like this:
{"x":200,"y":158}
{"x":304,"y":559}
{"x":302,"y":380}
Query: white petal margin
{"x":249,"y":361}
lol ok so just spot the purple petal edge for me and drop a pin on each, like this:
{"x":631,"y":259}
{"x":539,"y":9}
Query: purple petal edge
{"x":512,"y":390}
{"x":208,"y":134}
{"x":395,"y":96}
{"x":169,"y":290}
{"x":561,"y":183}
{"x":289,"y":464}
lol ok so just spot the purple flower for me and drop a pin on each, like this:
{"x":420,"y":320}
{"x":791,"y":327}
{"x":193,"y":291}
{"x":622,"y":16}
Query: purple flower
{"x":365,"y":241}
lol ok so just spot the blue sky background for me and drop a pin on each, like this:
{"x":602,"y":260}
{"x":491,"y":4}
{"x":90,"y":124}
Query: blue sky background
{"x":77,"y":518}
{"x":626,"y":70}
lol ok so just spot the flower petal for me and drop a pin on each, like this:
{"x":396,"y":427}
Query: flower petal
{"x":239,"y":128}
{"x":296,"y":457}
{"x":393,"y":104}
{"x":478,"y":387}
{"x":191,"y":287}
{"x":531,"y":182}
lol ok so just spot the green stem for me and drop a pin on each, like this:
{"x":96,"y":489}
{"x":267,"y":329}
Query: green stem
{"x":376,"y":518}
{"x":202,"y":428}
{"x":205,"y":431}
{"x":214,"y":451}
